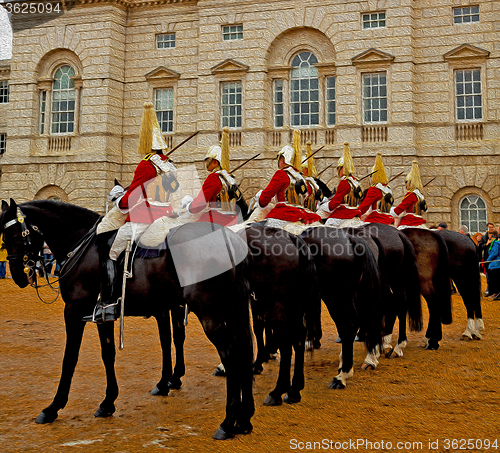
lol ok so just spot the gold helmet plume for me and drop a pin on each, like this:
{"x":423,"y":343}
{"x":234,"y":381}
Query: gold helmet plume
{"x":380,"y":176}
{"x":297,"y":155}
{"x":150,"y":136}
{"x":311,"y":168}
{"x":346,"y":161}
{"x":413,"y":178}
{"x":224,"y":162}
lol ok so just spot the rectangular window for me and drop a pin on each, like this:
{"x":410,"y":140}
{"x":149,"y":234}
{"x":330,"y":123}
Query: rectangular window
{"x":164,"y":107}
{"x":468,"y":94}
{"x":231,"y":104}
{"x":232,"y":32}
{"x":374,"y":20}
{"x":43,"y":104}
{"x":3,"y":143}
{"x":165,"y":41}
{"x":63,"y":111}
{"x":4,"y":92}
{"x":330,"y":101}
{"x":375,"y":97}
{"x":278,"y":103}
{"x":466,"y":15}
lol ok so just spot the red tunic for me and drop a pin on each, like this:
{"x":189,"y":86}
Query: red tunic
{"x":373,"y":195}
{"x":208,"y":194}
{"x":336,"y":204}
{"x":409,"y":219}
{"x":136,"y":199}
{"x":282,"y":211}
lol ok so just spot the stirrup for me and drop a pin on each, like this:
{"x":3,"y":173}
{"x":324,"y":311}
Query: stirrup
{"x":102,"y":317}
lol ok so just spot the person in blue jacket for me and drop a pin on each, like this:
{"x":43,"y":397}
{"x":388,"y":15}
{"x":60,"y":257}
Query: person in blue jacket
{"x":494,"y":269}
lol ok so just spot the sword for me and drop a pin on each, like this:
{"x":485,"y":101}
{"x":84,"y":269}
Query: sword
{"x":324,"y":169}
{"x":317,"y":151}
{"x":182,"y":143}
{"x":246,"y":162}
{"x":397,"y":176}
{"x":366,"y":176}
{"x":126,"y":275}
{"x":427,"y":183}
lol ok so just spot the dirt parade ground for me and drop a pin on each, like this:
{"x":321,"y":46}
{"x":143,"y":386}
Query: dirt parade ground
{"x":425,"y":401}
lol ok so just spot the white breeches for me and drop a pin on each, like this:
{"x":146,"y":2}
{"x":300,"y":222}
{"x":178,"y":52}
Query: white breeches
{"x":130,"y":230}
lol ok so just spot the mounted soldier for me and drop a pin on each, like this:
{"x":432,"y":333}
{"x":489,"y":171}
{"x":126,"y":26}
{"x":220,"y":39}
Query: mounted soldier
{"x":135,"y":209}
{"x":408,"y":212}
{"x":343,"y":205}
{"x":219,"y":189}
{"x":314,"y":192}
{"x":379,"y":191}
{"x":289,"y":187}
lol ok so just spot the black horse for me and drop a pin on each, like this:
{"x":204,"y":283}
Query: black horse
{"x":464,"y":270}
{"x":434,"y":273}
{"x":400,"y":282}
{"x":283,"y":279}
{"x":155,"y":288}
{"x":349,"y":284}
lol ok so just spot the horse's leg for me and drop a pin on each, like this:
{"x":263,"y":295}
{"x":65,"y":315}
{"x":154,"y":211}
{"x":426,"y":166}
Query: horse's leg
{"x":472,"y":298}
{"x":163,"y":321}
{"x":179,"y":335}
{"x":434,"y":333}
{"x":108,"y":353}
{"x":258,"y":329}
{"x":293,"y":396}
{"x":74,"y":334}
{"x":283,"y":382}
{"x":402,"y":313}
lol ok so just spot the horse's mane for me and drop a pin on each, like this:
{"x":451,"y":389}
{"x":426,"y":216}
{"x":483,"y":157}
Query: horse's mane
{"x":77,"y":214}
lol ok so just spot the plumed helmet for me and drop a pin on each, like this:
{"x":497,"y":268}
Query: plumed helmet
{"x":220,"y":152}
{"x":380,"y":176}
{"x":346,"y":161}
{"x":150,"y":135}
{"x":311,"y":168}
{"x":288,"y":154}
{"x":297,"y":157}
{"x":413,"y":178}
{"x":214,"y":152}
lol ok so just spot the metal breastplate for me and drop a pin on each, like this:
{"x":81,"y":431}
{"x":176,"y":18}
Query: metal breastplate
{"x":229,"y":193}
{"x":353,"y":197}
{"x":296,"y":191}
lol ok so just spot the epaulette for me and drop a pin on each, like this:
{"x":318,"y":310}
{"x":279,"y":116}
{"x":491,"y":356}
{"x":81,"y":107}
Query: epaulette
{"x":148,"y":156}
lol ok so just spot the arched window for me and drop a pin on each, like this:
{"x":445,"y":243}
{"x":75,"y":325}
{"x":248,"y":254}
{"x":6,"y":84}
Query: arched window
{"x":304,"y":90}
{"x":473,"y":213}
{"x":63,"y":101}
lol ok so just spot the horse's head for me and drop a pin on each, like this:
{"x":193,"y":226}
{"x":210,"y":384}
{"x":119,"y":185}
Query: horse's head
{"x":23,"y":242}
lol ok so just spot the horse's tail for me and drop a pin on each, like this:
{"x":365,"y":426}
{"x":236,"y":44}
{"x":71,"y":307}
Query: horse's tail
{"x":367,"y":296}
{"x":441,"y":280}
{"x":308,"y":289}
{"x":412,"y":285}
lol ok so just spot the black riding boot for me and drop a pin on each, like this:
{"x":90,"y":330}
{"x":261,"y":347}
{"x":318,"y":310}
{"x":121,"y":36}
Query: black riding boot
{"x":107,"y":308}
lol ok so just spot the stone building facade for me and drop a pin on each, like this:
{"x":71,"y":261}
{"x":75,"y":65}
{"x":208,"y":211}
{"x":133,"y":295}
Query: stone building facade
{"x":412,"y":79}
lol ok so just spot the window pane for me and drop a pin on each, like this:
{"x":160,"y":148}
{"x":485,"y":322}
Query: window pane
{"x":231,"y":104}
{"x":374,"y":97}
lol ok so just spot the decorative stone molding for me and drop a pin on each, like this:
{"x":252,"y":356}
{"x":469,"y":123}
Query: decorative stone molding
{"x":52,"y":60}
{"x":162,"y":77}
{"x":51,"y":192}
{"x":373,"y":134}
{"x":469,"y":131}
{"x":372,"y":57}
{"x":466,"y":53}
{"x":229,"y":66}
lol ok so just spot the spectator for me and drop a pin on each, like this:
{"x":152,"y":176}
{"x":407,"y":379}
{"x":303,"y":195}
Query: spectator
{"x":47,"y":259}
{"x":477,"y":238}
{"x":464,"y":230}
{"x":494,"y":268}
{"x":493,"y":238}
{"x":3,"y":258}
{"x":442,"y":226}
{"x":482,"y":249}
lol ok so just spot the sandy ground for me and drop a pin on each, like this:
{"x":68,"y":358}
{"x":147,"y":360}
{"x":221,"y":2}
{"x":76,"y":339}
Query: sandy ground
{"x":426,"y":396}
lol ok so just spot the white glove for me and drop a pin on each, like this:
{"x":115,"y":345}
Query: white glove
{"x":185,"y":202}
{"x":254,"y":202}
{"x":393,"y":212}
{"x":323,"y":210}
{"x":115,"y":193}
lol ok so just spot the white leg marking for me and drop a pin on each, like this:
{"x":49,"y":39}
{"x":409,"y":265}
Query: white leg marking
{"x":471,"y":327}
{"x":480,"y":324}
{"x":398,"y":350}
{"x":424,"y":343}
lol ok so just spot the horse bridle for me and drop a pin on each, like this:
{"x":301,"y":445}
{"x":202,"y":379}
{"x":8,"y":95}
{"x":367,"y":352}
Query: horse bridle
{"x":28,"y":257}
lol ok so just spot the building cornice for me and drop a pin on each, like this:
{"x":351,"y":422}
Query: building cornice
{"x":129,"y":3}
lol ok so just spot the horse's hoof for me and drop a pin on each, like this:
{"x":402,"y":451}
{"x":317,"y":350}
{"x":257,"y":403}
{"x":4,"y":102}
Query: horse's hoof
{"x":357,"y":339}
{"x":104,"y":413}
{"x":273,"y":356}
{"x":219,"y":373}
{"x":292,"y":399}
{"x":336,"y":385}
{"x":367,"y":366}
{"x":388,"y":352}
{"x":316,"y":344}
{"x":45,"y":418}
{"x":221,"y":434}
{"x":338,"y":340}
{"x":271,"y":401}
{"x":466,"y":337}
{"x":244,"y":428}
{"x":395,"y":355}
{"x":157,"y":392}
{"x":174,"y":384}
{"x":432,"y":346}
{"x":476,"y":336}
